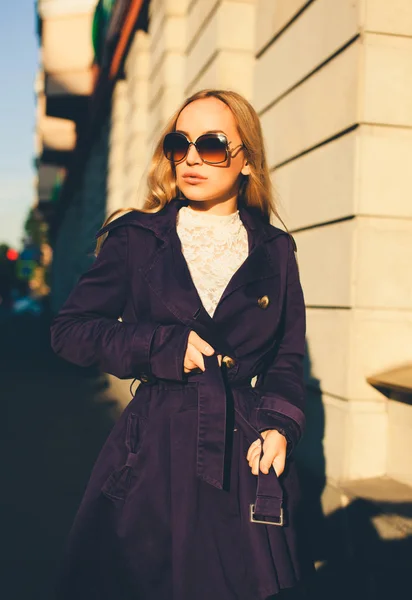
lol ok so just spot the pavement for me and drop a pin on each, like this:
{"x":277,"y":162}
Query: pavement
{"x":54,"y":420}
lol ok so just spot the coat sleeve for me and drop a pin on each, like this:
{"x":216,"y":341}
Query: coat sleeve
{"x":281,"y":387}
{"x":87,"y":330}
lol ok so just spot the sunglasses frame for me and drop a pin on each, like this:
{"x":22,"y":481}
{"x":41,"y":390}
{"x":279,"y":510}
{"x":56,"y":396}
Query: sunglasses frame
{"x":221,"y":136}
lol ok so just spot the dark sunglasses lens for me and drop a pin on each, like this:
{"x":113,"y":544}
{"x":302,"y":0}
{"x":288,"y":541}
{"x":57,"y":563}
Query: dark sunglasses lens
{"x":175,"y":146}
{"x":211,"y":148}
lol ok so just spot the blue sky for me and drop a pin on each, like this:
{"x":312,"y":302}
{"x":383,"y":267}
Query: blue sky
{"x":18,"y":66}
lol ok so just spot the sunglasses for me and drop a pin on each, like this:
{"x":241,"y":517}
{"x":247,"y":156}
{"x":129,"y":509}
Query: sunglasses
{"x":213,"y":148}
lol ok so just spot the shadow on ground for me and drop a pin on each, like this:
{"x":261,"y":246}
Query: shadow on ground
{"x":54,"y":419}
{"x":359,"y":554}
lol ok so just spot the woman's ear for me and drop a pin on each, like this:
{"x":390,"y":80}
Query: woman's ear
{"x":245,"y":169}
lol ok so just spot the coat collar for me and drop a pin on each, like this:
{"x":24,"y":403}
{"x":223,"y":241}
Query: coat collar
{"x":162,"y":222}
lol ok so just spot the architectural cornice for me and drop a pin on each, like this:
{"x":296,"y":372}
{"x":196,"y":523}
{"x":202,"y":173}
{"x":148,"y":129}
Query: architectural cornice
{"x":100,"y":103}
{"x":58,"y":8}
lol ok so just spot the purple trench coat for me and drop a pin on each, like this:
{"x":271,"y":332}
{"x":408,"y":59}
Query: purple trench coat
{"x":172,"y":510}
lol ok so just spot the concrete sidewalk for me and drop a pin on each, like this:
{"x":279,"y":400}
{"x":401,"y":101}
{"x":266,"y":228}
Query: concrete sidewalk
{"x":54,"y":420}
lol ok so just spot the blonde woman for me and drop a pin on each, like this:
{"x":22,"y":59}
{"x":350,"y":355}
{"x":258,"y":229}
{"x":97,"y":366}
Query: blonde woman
{"x":195,"y":494}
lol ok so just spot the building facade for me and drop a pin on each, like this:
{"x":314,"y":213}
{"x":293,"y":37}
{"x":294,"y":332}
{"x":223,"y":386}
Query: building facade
{"x":331,"y":83}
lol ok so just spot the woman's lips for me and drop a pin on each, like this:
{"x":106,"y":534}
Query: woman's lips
{"x":194,"y":180}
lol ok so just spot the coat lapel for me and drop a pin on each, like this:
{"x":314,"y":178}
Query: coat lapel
{"x":169,"y":277}
{"x":256,"y":266}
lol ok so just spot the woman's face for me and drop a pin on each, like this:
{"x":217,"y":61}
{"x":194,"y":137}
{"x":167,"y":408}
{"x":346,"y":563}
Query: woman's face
{"x":221,"y":181}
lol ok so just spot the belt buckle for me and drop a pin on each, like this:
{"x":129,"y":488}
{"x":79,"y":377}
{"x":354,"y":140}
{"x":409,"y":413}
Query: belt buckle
{"x":278,"y":523}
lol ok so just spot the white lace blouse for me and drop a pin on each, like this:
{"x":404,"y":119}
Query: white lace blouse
{"x":214,"y":247}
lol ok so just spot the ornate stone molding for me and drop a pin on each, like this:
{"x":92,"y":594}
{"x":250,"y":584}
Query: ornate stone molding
{"x":56,"y":8}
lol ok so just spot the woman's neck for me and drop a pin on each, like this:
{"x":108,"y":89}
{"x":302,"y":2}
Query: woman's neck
{"x":219,"y":207}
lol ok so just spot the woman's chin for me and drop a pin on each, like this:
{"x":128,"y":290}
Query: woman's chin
{"x":194,"y":193}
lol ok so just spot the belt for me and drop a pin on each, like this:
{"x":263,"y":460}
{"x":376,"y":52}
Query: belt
{"x":213,"y":387}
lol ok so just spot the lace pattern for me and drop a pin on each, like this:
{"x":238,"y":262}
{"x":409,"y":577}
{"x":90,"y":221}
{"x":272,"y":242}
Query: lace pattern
{"x":214,"y":247}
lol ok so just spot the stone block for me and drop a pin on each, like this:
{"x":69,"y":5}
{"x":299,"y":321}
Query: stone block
{"x":218,"y":35}
{"x":228,"y":70}
{"x":364,"y":172}
{"x":387,"y":84}
{"x":137,"y":151}
{"x":172,"y":39}
{"x":137,"y":63}
{"x":172,"y":98}
{"x":318,"y":109}
{"x":176,"y":7}
{"x":319,"y":186}
{"x":156,"y":18}
{"x":169,"y":73}
{"x":382,"y":266}
{"x":355,"y":439}
{"x":384,"y":185}
{"x":325,"y":258}
{"x":199,"y":13}
{"x":394,"y":17}
{"x":319,"y":32}
{"x":328,"y":334}
{"x":367,"y":445}
{"x":272,"y":17}
{"x":335,"y":437}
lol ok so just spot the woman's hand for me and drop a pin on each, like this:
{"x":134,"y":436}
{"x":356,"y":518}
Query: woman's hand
{"x":274,"y":453}
{"x":196,"y":348}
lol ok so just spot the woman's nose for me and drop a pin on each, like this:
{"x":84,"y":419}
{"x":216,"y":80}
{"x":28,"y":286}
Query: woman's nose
{"x":192,"y":156}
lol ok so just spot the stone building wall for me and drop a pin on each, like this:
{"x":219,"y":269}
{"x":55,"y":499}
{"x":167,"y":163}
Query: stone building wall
{"x":336,"y":112}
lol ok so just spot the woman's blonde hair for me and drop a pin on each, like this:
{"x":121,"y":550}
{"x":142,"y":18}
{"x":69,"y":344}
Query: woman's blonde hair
{"x":255,"y":190}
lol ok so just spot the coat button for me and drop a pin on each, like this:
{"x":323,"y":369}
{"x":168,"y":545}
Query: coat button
{"x":263,"y":301}
{"x":229,"y":362}
{"x":144,"y":378}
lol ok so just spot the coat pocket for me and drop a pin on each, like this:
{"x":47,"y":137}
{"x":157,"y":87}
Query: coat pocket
{"x":118,"y":484}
